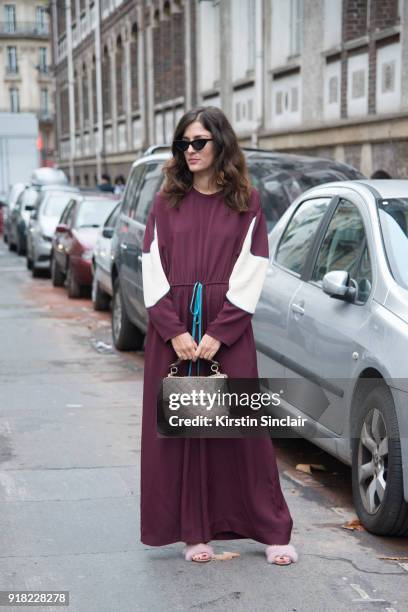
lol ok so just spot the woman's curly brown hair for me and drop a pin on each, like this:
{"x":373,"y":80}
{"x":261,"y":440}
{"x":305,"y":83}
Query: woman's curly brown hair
{"x":230,"y":167}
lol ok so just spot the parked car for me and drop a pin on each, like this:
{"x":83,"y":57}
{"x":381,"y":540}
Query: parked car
{"x":19,"y":218}
{"x":12,"y":197}
{"x":332,"y":321}
{"x":43,"y":221}
{"x":26,"y":203}
{"x":74,"y":240}
{"x":102,"y":262}
{"x":278,"y":177}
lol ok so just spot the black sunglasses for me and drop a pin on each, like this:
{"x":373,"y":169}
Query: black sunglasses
{"x":197,"y":144}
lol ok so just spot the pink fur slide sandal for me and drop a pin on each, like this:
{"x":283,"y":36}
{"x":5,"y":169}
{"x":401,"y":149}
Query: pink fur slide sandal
{"x":281,"y":554}
{"x":200,"y":553}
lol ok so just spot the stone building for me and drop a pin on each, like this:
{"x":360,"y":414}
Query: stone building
{"x":26,"y":83}
{"x":324,"y":77}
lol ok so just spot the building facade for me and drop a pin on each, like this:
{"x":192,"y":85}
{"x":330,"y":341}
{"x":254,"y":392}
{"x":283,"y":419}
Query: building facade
{"x":26,"y":81}
{"x":322,"y":77}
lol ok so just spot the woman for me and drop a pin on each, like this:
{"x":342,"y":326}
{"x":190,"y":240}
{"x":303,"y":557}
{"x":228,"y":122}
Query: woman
{"x":206,"y":225}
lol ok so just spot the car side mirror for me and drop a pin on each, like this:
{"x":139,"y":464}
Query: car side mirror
{"x":337,"y":284}
{"x":107,"y":232}
{"x":61,"y":228}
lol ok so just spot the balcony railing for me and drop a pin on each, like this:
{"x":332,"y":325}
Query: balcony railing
{"x":24,"y":28}
{"x":12,"y":70}
{"x":44,"y":69}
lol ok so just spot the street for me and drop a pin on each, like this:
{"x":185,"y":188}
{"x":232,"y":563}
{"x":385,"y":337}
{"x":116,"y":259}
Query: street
{"x":70,"y":420}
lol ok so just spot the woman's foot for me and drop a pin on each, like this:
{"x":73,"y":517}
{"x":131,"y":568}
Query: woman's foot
{"x":281,"y":554}
{"x":201,"y":553}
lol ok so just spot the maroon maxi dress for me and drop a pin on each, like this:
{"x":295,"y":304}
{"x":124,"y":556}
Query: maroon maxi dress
{"x":202,"y":489}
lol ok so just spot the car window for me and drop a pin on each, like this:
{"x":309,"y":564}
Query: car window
{"x":151,"y":182}
{"x":344,"y":247}
{"x":113,"y":217}
{"x":270,"y":184}
{"x":54,"y":204}
{"x":70,"y":213}
{"x":132,"y":188}
{"x":342,"y":244}
{"x":63,"y":218}
{"x":30,"y":197}
{"x":393,"y":215}
{"x":93,"y":213}
{"x":364,"y":278}
{"x":299,"y":234}
{"x":279,"y":184}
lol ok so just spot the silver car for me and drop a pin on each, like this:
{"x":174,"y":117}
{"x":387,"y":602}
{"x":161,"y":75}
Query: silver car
{"x":102,"y":262}
{"x":332,"y":326}
{"x":43,"y":221}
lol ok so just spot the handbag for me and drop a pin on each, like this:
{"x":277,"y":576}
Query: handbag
{"x":205,"y":392}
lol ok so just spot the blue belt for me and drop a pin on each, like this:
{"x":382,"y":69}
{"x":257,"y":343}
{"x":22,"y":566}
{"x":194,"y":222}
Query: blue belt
{"x":196,"y":310}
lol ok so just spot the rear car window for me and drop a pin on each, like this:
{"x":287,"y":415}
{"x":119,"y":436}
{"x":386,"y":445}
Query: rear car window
{"x":279,"y":186}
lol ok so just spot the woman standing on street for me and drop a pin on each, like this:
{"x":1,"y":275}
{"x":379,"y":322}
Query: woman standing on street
{"x":206,"y":225}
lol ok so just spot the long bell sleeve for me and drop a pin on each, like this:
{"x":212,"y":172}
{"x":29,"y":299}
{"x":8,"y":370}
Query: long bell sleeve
{"x":245,"y":282}
{"x":156,"y":288}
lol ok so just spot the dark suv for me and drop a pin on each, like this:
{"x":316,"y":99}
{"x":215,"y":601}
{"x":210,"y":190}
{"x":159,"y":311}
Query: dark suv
{"x":278,"y":177}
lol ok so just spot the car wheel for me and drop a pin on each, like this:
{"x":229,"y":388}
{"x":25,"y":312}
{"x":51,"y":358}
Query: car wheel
{"x":5,"y":238}
{"x":20,"y":247}
{"x":57,"y":276}
{"x":100,"y":299}
{"x":36,"y":272}
{"x":377,"y":464}
{"x":29,"y":263}
{"x":11,"y":246}
{"x":126,"y":336}
{"x":74,"y":288}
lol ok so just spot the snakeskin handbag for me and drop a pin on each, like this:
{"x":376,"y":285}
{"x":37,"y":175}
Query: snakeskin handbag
{"x":203,"y":397}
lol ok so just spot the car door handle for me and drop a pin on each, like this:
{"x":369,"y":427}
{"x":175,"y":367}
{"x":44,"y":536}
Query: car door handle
{"x":123,"y":246}
{"x":298,"y":309}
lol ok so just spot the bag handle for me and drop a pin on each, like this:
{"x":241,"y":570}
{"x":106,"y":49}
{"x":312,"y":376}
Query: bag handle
{"x":173,"y":367}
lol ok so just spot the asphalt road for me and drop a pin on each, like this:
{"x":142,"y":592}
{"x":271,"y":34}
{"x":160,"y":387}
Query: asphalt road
{"x":70,"y":413}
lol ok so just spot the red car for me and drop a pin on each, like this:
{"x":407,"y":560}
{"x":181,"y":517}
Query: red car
{"x":74,"y":240}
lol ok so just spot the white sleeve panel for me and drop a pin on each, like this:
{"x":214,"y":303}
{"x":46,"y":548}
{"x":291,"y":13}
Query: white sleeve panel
{"x":155,"y":283}
{"x":247,"y":276}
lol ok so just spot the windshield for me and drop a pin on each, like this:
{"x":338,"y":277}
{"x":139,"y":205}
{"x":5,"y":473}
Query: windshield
{"x":55,"y":204}
{"x":92,"y":213}
{"x":278,"y":187}
{"x":393,"y":215}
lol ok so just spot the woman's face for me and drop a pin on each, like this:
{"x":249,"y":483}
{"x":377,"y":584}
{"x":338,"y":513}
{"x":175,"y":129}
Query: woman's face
{"x":198,"y":161}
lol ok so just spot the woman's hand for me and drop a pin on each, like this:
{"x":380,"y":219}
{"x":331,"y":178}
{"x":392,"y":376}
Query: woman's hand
{"x":185,"y":346}
{"x":207,"y":347}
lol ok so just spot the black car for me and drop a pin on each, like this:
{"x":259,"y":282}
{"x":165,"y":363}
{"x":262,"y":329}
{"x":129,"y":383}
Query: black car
{"x":278,"y":177}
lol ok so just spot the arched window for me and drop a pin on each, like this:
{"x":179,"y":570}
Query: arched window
{"x":95,"y":110}
{"x":157,"y":57}
{"x":107,"y":110}
{"x":76,"y":98}
{"x":134,"y":69}
{"x":178,"y":52}
{"x":85,"y":91}
{"x":119,"y":76}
